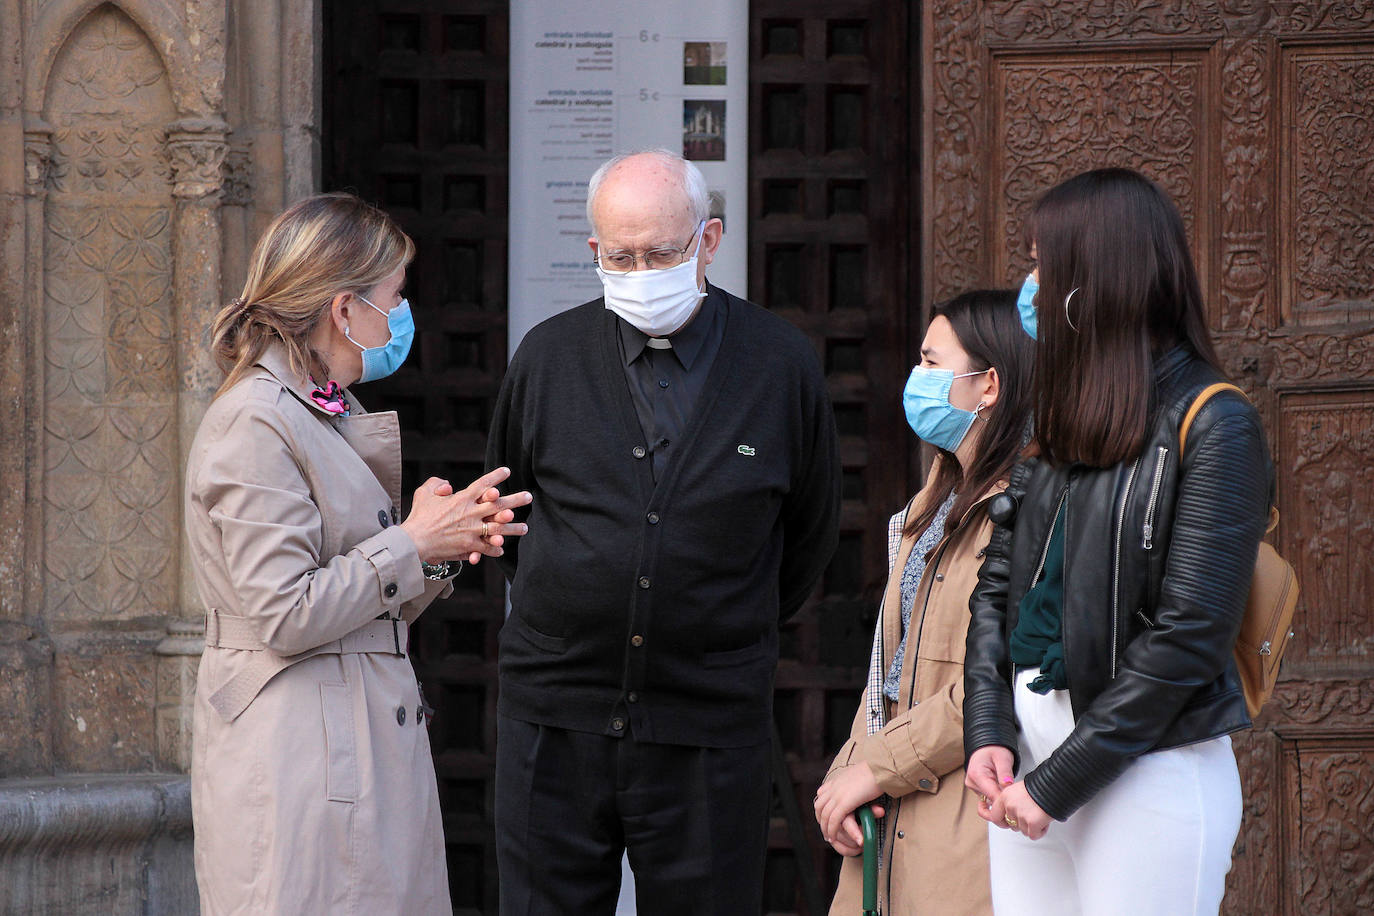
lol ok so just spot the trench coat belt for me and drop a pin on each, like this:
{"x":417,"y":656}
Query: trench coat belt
{"x":387,"y":636}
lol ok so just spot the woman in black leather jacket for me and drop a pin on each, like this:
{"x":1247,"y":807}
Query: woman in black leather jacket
{"x":1100,"y":689}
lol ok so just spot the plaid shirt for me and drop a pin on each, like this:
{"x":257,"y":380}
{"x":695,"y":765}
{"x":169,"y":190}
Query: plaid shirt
{"x":873,"y":696}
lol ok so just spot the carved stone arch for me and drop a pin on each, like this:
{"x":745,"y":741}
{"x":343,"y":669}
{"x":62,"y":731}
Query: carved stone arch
{"x":158,"y":20}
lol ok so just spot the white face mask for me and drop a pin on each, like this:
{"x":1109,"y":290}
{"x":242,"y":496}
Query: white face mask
{"x":658,"y":302}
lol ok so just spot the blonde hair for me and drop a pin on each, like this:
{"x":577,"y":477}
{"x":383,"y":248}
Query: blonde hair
{"x":317,"y":248}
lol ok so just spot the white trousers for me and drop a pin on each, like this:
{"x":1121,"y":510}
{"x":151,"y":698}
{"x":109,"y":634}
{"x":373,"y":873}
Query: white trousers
{"x":1155,"y":842}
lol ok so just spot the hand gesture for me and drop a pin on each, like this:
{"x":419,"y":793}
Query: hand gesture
{"x":468,"y":524}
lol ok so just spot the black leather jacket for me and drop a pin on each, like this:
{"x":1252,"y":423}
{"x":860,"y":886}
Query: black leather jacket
{"x":1158,"y":562}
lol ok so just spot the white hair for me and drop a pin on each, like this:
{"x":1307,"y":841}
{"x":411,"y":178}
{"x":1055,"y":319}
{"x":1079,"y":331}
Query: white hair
{"x":693,"y":182}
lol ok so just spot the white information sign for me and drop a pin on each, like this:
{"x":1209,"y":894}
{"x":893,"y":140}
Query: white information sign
{"x":593,"y":78}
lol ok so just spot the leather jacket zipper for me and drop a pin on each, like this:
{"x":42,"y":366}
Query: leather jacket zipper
{"x":1045,"y":550}
{"x":1116,"y":559}
{"x":1147,"y":533}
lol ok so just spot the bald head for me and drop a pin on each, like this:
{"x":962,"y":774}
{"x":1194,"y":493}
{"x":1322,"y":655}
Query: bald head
{"x":651,"y":200}
{"x":654,"y":180}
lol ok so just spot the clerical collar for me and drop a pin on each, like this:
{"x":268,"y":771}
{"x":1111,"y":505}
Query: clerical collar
{"x":685,"y":344}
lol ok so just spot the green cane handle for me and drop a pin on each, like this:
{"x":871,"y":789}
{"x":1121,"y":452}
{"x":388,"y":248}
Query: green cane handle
{"x":869,"y":826}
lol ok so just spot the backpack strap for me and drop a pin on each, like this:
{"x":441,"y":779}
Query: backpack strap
{"x":1199,"y":402}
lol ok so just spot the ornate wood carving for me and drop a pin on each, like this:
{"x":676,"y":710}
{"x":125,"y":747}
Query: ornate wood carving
{"x":1335,"y":829}
{"x":1097,"y":20}
{"x":958,"y":134}
{"x":1060,"y":117}
{"x":1330,"y":118}
{"x":1246,"y":200}
{"x":1254,"y":877}
{"x":110,"y":447}
{"x":1328,"y":512}
{"x":1274,"y":176}
{"x":1322,"y":15}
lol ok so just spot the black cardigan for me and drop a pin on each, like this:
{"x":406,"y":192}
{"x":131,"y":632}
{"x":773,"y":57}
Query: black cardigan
{"x":655,"y":608}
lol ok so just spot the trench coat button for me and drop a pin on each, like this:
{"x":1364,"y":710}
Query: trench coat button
{"x":939,"y":577}
{"x":618,"y":724}
{"x":653,"y":518}
{"x":638,"y":451}
{"x":663,"y":383}
{"x":419,"y":715}
{"x":636,"y":641}
{"x":633,"y":697}
{"x":400,"y":715}
{"x":644,"y":582}
{"x":383,"y":519}
{"x":395,"y":516}
{"x":924,"y":783}
{"x":901,"y":834}
{"x":390,"y":590}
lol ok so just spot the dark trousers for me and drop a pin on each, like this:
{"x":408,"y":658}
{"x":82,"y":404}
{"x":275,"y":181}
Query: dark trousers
{"x":694,"y":821}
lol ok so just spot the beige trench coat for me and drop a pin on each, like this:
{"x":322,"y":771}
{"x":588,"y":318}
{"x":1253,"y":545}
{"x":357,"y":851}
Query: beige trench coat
{"x":312,"y":787}
{"x":935,"y":847}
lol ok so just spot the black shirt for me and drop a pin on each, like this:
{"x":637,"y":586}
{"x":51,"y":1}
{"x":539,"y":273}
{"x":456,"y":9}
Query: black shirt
{"x":666,"y":375}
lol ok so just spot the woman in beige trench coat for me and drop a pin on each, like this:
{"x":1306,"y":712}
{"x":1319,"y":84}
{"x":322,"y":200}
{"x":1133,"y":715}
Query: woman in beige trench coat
{"x":312,"y":787}
{"x":969,"y":398}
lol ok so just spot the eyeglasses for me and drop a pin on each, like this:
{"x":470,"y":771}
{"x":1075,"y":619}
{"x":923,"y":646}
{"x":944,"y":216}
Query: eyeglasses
{"x":622,"y":262}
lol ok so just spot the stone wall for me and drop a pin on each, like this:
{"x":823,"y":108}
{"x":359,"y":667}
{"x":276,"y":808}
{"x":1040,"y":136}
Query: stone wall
{"x":144,"y":144}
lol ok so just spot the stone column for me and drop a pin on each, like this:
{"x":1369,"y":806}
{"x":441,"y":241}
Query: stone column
{"x":26,"y":653}
{"x":196,"y":150}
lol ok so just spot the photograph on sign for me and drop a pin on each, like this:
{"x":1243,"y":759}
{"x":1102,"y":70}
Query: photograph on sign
{"x":703,"y":63}
{"x":703,"y":129}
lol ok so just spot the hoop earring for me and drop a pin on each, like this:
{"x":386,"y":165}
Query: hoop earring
{"x":978,"y":411}
{"x":1066,"y":309}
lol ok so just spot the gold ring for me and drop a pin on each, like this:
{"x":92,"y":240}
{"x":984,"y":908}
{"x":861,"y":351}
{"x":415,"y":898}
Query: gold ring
{"x":486,"y":531}
{"x":1011,"y":821}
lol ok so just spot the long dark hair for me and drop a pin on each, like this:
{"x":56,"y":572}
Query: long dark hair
{"x":1114,"y":240}
{"x":988,"y":327}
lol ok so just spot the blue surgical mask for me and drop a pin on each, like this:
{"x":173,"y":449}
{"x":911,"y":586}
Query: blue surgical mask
{"x":1025,"y":304}
{"x":379,"y":362}
{"x":928,"y":410}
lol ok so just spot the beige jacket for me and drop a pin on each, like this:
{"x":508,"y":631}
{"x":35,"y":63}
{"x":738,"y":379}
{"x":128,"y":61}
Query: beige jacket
{"x":935,"y":849}
{"x":312,"y":787}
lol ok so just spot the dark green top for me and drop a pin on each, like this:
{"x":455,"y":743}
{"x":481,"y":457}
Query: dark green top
{"x":1037,"y":640}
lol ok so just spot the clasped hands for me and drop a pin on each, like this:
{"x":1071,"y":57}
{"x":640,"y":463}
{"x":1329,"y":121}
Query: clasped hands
{"x":467,"y":524}
{"x":1002,"y":800}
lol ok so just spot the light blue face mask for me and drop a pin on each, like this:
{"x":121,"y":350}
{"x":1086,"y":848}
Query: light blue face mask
{"x":379,"y":362}
{"x":1025,"y":304}
{"x":928,"y":410}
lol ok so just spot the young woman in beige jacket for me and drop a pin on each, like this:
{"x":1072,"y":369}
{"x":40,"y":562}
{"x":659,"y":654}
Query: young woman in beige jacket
{"x":312,"y":787}
{"x":969,"y":398}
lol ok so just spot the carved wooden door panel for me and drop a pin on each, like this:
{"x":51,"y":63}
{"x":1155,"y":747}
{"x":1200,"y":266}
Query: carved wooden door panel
{"x":415,"y":120}
{"x":831,"y":164}
{"x":1259,"y":120}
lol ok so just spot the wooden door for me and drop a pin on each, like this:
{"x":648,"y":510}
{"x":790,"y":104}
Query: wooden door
{"x":831,"y":173}
{"x":415,"y":105}
{"x":416,"y":120}
{"x":1259,"y":120}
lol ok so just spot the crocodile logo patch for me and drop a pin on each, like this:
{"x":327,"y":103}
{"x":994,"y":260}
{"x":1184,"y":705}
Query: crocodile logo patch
{"x":747,"y":450}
